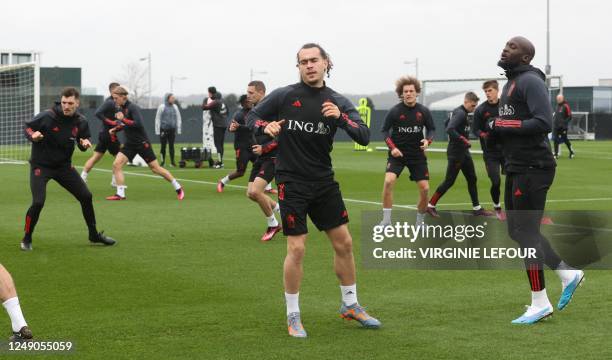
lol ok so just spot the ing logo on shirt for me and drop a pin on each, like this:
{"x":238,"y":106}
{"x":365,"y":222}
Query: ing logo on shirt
{"x":308,"y":127}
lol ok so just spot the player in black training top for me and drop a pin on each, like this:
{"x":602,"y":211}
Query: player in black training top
{"x":243,"y":141}
{"x":490,"y":145}
{"x":129,"y":119}
{"x":53,"y":134}
{"x":525,"y":119}
{"x":310,"y":113}
{"x":459,"y":157}
{"x":403,"y":133}
{"x":563,"y":116}
{"x":106,"y":142}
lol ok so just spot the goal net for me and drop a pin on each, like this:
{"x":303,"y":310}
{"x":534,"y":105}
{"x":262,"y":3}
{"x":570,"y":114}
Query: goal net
{"x":579,"y":127}
{"x":19,"y":102}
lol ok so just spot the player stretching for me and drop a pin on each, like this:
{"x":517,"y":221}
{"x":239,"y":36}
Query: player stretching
{"x":459,"y":157}
{"x":407,"y":145}
{"x":10,"y":302}
{"x":106,"y":142}
{"x":491,"y":147}
{"x":53,"y":134}
{"x":137,"y":142}
{"x":310,"y":113}
{"x":523,"y":126}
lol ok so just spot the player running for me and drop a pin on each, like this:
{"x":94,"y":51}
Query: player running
{"x":10,"y":302}
{"x":525,"y":119}
{"x":491,"y":147}
{"x":264,"y":147}
{"x":563,"y":116}
{"x":407,"y":145}
{"x":243,"y":143}
{"x":106,"y":141}
{"x":310,"y":113}
{"x":53,"y":134}
{"x":459,"y":157}
{"x":129,"y":119}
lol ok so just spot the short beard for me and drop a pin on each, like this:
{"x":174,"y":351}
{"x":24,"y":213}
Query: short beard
{"x":506,"y":65}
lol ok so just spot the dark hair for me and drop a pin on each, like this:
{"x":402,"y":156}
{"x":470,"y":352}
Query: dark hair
{"x":324,"y":55}
{"x":242,"y":100}
{"x":70,"y":91}
{"x":407,"y":80}
{"x":212,"y":89}
{"x":112,"y":85}
{"x":490,"y":83}
{"x":470,"y":96}
{"x":259,"y":85}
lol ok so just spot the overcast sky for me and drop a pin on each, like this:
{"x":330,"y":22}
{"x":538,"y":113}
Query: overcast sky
{"x":218,"y":42}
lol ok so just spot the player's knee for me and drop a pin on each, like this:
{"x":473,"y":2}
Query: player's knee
{"x":37,"y":205}
{"x":296,"y":251}
{"x":344,"y":246}
{"x":85,"y":197}
{"x":253,"y":194}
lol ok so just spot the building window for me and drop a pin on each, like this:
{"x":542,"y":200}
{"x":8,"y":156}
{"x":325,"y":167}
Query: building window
{"x":4,"y":59}
{"x":602,"y":100}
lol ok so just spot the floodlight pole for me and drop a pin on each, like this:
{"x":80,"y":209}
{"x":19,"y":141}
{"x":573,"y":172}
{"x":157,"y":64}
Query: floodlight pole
{"x":255,"y":72}
{"x":548,"y":68}
{"x":414,"y":62}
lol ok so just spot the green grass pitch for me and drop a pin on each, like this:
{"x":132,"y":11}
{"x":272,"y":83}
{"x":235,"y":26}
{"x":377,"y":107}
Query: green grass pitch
{"x":191,"y":279}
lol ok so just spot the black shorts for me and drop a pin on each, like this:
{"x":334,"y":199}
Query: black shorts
{"x":144,"y":150}
{"x":263,"y":168}
{"x":243,"y":156}
{"x":418,"y":168}
{"x":322,"y":202}
{"x":106,"y":143}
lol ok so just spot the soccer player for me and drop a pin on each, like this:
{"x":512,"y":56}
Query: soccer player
{"x":129,"y":119}
{"x":310,"y":113}
{"x":106,"y":142}
{"x":10,"y":302}
{"x":53,"y":134}
{"x":262,"y":173}
{"x":563,"y":116}
{"x":407,"y":145}
{"x":243,"y":143}
{"x":459,"y":157}
{"x":491,"y":147}
{"x":525,"y":119}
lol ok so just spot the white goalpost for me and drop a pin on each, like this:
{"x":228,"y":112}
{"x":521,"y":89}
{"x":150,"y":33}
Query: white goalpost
{"x":19,"y":102}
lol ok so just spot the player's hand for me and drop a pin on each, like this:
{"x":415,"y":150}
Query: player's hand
{"x":85,"y":143}
{"x":424,"y":144}
{"x":396,"y":153}
{"x":119,"y":115}
{"x":257,"y":149}
{"x":112,"y":131}
{"x":274,"y":128}
{"x":329,"y":109}
{"x":233,"y":126}
{"x":484,"y":134}
{"x":37,"y":136}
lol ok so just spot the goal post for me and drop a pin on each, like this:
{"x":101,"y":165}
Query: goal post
{"x":19,"y":102}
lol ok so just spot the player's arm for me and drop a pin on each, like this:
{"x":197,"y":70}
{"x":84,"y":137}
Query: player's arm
{"x":430,"y":127}
{"x":136,"y":117}
{"x":535,"y":92}
{"x":386,"y":129}
{"x":269,"y":146}
{"x":268,"y":108}
{"x":568,"y":114}
{"x":350,"y":121}
{"x":107,"y":106}
{"x":213,"y":105}
{"x":456,"y":120}
{"x":83,"y":135}
{"x":478,"y":124}
{"x":33,"y":128}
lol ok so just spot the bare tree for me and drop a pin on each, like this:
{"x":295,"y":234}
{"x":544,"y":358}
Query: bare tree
{"x":134,"y":76}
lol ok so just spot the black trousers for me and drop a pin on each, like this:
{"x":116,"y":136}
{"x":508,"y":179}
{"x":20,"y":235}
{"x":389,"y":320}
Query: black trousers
{"x":167,"y":136}
{"x":70,"y":180}
{"x":494,"y":166}
{"x":219,"y":137}
{"x":559,"y":137}
{"x":465,"y":164}
{"x":525,"y":199}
